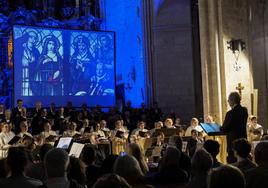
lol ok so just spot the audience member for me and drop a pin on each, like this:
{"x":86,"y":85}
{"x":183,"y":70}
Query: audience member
{"x":88,"y":156}
{"x":226,"y":176}
{"x":170,"y":172}
{"x":37,"y":170}
{"x":17,"y":160}
{"x":77,"y":171}
{"x":201,"y":164}
{"x":257,"y":177}
{"x":213,"y":147}
{"x":136,"y":151}
{"x":185,"y":161}
{"x":242,"y":150}
{"x":56,"y":165}
{"x":111,"y":181}
{"x":108,"y":164}
{"x":128,"y":167}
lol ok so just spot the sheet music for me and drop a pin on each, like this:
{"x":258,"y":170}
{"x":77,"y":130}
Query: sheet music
{"x":76,"y":149}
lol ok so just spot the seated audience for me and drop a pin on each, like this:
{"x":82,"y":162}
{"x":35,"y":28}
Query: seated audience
{"x":128,"y":167}
{"x":257,"y":177}
{"x":169,"y":169}
{"x":77,"y":171}
{"x":17,"y":160}
{"x":201,"y":164}
{"x":193,"y":143}
{"x":242,"y":150}
{"x":108,"y":164}
{"x":185,"y":161}
{"x":111,"y":181}
{"x":37,"y":170}
{"x":213,"y":147}
{"x":89,"y":157}
{"x":226,"y":176}
{"x":56,"y":166}
{"x":136,"y":151}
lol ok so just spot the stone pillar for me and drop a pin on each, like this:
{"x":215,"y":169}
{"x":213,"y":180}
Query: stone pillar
{"x":221,"y":21}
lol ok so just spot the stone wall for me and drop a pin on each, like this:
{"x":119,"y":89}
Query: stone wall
{"x":259,"y":34}
{"x":174,"y":70}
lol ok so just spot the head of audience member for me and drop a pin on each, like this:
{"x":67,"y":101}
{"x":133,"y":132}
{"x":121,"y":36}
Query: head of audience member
{"x":103,"y":124}
{"x":261,"y":153}
{"x":47,"y":126}
{"x":213,"y":147}
{"x":175,"y":141}
{"x":24,"y":126}
{"x":43,"y":150}
{"x":226,"y":176}
{"x":169,"y":123}
{"x":241,"y":148}
{"x":56,"y":163}
{"x":234,"y":99}
{"x":136,"y":151}
{"x":209,"y":119}
{"x":19,"y":103}
{"x":108,"y":164}
{"x":201,"y":162}
{"x":17,"y":160}
{"x":88,"y":155}
{"x":111,"y":181}
{"x":171,"y":158}
{"x":128,"y":167}
{"x":194,"y":122}
{"x":77,"y":170}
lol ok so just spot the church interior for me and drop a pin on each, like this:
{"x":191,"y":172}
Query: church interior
{"x":133,"y":93}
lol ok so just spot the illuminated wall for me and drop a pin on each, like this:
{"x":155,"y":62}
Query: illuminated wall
{"x":124,"y":17}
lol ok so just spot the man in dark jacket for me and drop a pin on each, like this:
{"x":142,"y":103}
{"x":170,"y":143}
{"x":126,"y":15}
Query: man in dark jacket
{"x":235,"y":123}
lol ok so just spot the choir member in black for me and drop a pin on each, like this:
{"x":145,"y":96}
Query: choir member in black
{"x":51,"y":114}
{"x":17,"y":110}
{"x":2,"y":112}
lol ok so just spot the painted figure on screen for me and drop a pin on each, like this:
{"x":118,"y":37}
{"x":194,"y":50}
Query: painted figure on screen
{"x":50,"y":68}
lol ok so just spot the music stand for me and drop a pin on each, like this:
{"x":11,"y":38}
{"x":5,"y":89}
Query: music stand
{"x":211,"y":129}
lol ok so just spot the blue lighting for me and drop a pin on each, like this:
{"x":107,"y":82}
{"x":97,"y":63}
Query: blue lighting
{"x":124,"y":17}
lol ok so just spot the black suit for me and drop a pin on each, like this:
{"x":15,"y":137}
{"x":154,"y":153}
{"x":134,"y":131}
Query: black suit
{"x":235,"y":125}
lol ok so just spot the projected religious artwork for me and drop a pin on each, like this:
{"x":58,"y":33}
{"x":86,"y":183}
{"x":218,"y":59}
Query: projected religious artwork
{"x":53,"y":62}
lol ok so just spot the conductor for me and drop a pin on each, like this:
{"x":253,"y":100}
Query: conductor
{"x":234,"y":124}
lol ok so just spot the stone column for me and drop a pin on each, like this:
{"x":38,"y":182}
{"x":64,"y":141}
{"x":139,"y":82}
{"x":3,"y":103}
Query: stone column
{"x":221,"y":21}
